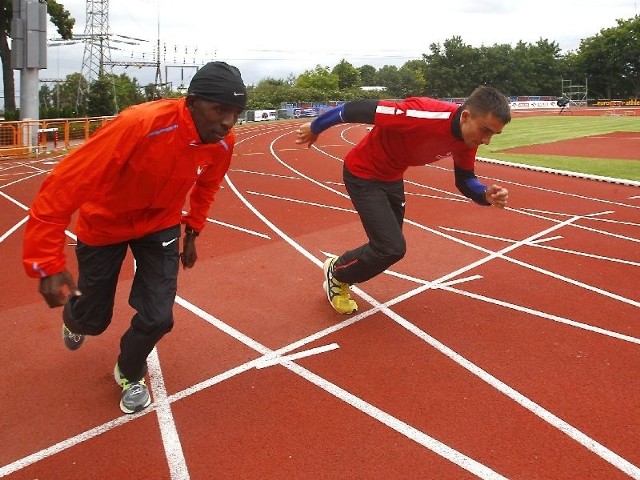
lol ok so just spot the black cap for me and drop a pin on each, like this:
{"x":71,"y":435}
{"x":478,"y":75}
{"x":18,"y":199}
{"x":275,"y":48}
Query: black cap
{"x":219,"y":82}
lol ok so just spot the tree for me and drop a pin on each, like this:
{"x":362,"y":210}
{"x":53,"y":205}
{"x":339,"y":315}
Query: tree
{"x":70,"y":89}
{"x":452,"y":68}
{"x":536,"y":68}
{"x":60,"y":101}
{"x":348,"y":75}
{"x":455,"y":69}
{"x":611,"y":60}
{"x":629,"y":42}
{"x":268,"y":93}
{"x":368,"y":75}
{"x":100,"y":100}
{"x":412,"y":79}
{"x":545,"y":55}
{"x":60,"y":17}
{"x":321,"y":78}
{"x":47,"y":101}
{"x":127,"y":91}
{"x":389,"y":77}
{"x":497,"y":68}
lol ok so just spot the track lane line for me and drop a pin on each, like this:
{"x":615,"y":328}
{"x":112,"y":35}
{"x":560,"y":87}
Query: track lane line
{"x":361,"y":405}
{"x":550,"y":418}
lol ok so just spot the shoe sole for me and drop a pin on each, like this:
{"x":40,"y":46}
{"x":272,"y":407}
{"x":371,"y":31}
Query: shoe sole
{"x":116,"y":375}
{"x":137,"y":409}
{"x":325,"y":268}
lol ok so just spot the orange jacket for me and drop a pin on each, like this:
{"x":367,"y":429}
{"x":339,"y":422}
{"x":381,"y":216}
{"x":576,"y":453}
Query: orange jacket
{"x":130,"y":179}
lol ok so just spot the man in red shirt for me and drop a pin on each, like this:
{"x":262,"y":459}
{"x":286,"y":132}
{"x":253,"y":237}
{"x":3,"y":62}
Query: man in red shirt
{"x":412,"y":132}
{"x":129,"y":184}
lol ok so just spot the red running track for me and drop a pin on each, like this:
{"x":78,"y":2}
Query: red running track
{"x":504,"y":345}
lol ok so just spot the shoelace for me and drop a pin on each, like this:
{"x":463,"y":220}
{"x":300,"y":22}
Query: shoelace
{"x":344,"y":290}
{"x":339,"y":289}
{"x":135,"y":388}
{"x":76,"y":337}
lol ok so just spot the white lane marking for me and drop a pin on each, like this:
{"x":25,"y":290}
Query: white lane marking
{"x":264,"y":174}
{"x":446,"y":286}
{"x":548,"y":239}
{"x":424,"y":195}
{"x":168,"y":430}
{"x":361,"y":405}
{"x":446,"y":192}
{"x":589,"y":229}
{"x":235,"y":227}
{"x":537,"y":243}
{"x":548,"y":316}
{"x":303,"y":202}
{"x":526,"y":241}
{"x":13,"y":229}
{"x":170,"y":440}
{"x":409,"y":431}
{"x":545,"y":415}
{"x":269,"y":360}
{"x":22,"y":463}
{"x":71,"y":442}
{"x":553,"y":420}
{"x":240,"y":229}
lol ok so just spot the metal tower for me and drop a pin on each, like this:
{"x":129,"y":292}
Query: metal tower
{"x":577,"y":94}
{"x":97,"y":51}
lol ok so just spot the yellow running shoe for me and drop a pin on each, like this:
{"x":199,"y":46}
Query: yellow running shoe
{"x":337,"y":292}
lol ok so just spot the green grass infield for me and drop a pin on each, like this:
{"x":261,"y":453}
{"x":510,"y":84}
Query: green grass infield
{"x":547,"y":129}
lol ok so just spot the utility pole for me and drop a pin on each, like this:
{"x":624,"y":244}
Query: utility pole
{"x":29,"y":54}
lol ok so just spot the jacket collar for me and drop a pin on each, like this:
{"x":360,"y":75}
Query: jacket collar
{"x":189,"y":132}
{"x":456,"y":130}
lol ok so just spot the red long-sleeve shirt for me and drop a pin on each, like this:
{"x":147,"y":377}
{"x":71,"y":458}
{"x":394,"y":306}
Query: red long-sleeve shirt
{"x":411,"y":132}
{"x":130,"y":179}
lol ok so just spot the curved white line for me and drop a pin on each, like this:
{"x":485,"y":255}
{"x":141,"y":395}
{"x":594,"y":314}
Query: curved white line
{"x":581,"y":438}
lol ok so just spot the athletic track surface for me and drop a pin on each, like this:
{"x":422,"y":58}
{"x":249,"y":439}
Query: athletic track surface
{"x":504,"y":345}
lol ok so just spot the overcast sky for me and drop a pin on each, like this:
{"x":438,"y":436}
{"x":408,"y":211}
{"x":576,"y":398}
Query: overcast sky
{"x":282,"y":37}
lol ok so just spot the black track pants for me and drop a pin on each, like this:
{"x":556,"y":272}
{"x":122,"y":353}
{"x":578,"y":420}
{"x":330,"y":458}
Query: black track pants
{"x":381,"y":209}
{"x":152,"y":294}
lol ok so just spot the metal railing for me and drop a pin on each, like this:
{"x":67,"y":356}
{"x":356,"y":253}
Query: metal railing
{"x":35,"y":137}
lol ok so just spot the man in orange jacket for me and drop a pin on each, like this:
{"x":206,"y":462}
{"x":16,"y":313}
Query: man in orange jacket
{"x":129,"y":183}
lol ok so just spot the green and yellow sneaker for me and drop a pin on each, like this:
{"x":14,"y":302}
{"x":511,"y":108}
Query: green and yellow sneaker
{"x":135,"y":395}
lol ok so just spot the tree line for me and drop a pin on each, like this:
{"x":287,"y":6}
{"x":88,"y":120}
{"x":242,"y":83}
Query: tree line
{"x":608,"y":62}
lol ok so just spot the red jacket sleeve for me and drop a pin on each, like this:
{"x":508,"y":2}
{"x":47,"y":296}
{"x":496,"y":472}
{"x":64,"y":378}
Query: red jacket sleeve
{"x":72,"y":182}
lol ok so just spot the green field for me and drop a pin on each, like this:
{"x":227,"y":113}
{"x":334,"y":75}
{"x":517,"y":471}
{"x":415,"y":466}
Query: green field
{"x":545,"y":129}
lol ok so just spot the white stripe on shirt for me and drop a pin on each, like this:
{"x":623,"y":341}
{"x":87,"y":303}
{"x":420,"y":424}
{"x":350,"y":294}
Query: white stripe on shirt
{"x":423,"y":114}
{"x":385,"y":110}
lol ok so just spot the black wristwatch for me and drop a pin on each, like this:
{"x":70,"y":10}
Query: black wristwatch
{"x":190,"y":232}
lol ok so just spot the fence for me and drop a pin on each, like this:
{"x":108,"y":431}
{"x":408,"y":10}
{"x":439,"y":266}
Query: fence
{"x":34,"y":137}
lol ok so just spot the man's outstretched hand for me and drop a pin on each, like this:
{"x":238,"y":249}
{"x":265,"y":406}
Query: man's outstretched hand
{"x":305,"y":135}
{"x":497,"y":196}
